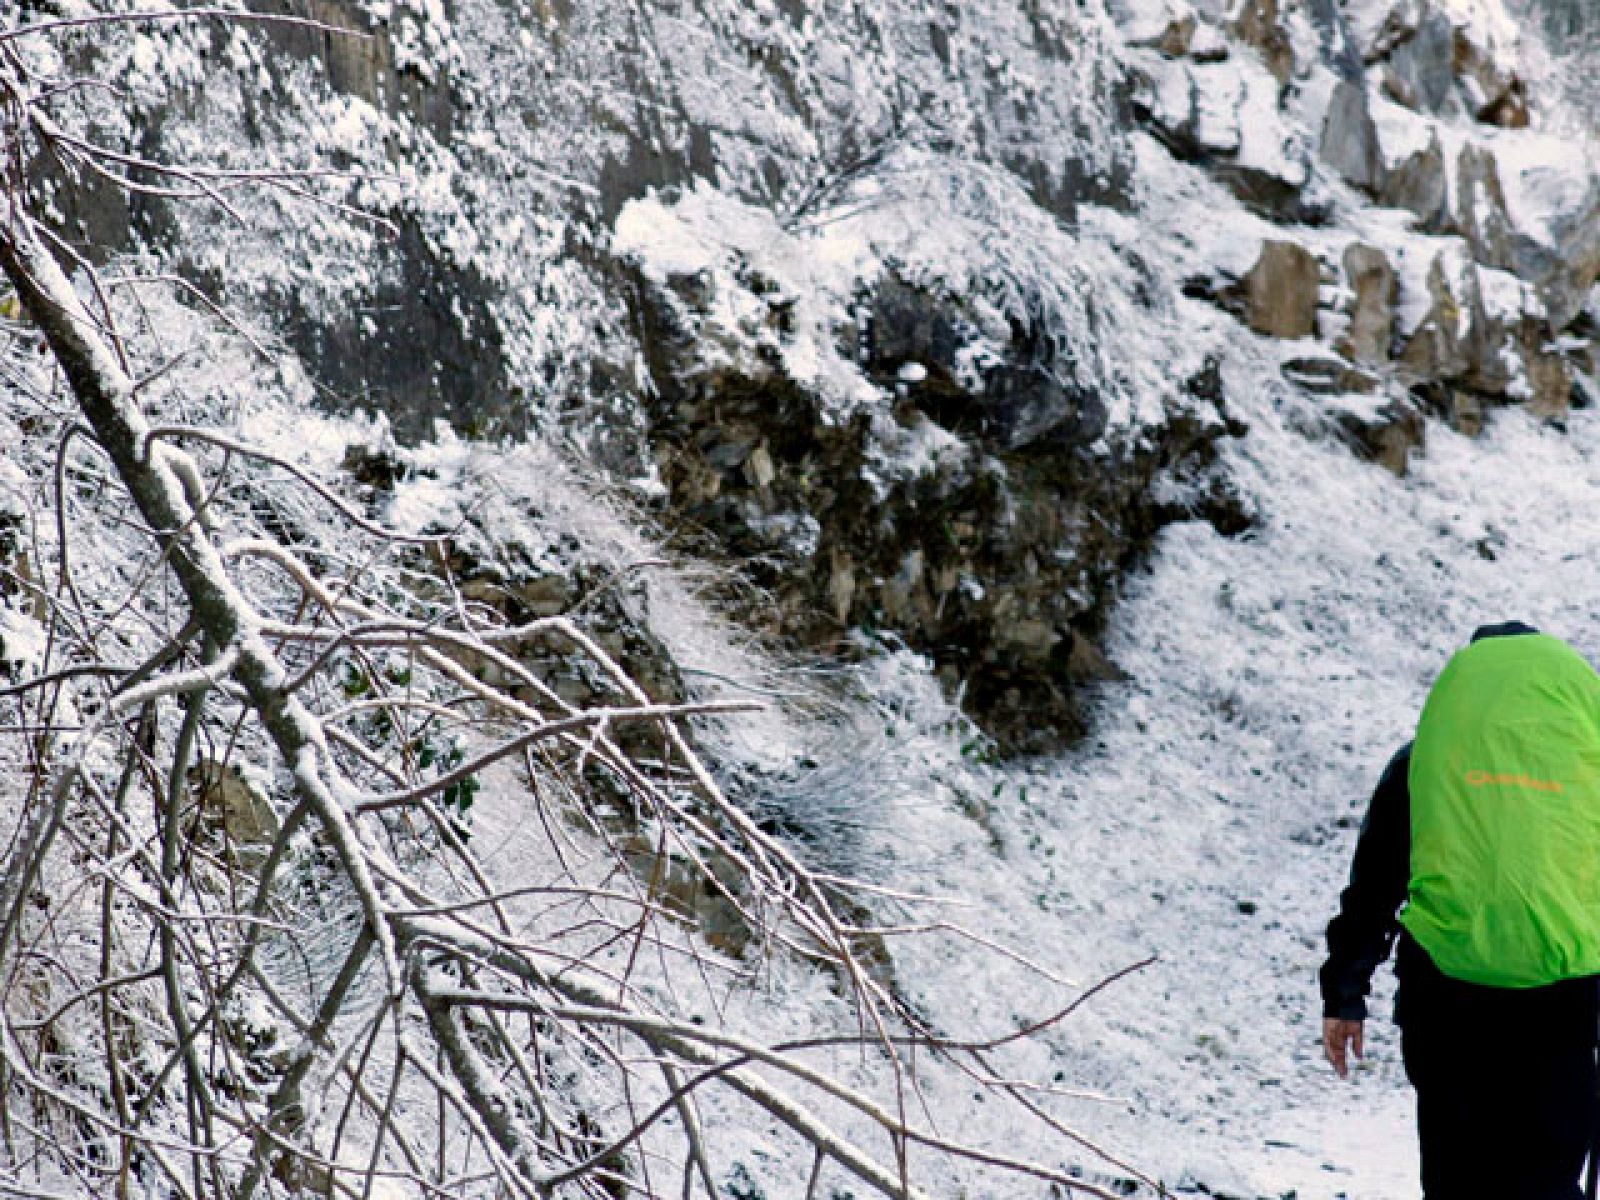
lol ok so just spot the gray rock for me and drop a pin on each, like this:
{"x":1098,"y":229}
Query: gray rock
{"x":1339,"y":50}
{"x":1481,"y":214}
{"x":1281,"y":291}
{"x":1422,"y":186}
{"x":233,"y":816}
{"x":1463,"y":355}
{"x":1373,"y":286}
{"x":1573,"y":267}
{"x":1166,"y":101}
{"x":1350,"y":139}
{"x":1421,"y":69}
{"x":1179,"y":36}
{"x":1444,"y":346}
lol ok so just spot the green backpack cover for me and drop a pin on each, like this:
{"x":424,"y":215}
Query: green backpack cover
{"x":1505,"y":815}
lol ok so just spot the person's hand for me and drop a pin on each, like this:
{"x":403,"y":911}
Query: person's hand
{"x":1338,"y":1039}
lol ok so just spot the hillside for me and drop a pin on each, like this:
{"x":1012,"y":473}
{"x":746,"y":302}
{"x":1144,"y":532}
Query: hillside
{"x":1072,"y":437}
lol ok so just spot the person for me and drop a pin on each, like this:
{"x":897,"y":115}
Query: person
{"x":1480,"y":857}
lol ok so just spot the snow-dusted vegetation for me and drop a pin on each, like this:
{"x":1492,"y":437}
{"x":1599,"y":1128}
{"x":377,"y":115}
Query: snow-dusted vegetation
{"x":750,"y":599}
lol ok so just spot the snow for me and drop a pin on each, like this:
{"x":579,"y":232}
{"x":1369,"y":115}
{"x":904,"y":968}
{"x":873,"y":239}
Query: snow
{"x":1549,"y":181}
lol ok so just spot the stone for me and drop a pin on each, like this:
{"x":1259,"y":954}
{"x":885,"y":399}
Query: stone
{"x":1328,"y":376}
{"x":1339,"y":49}
{"x":1574,"y":266}
{"x":1209,"y":44}
{"x":1481,"y":215}
{"x":1494,"y":94}
{"x":1350,"y":139}
{"x":1549,"y":376}
{"x":233,"y":813}
{"x":1259,"y":24}
{"x":1442,"y":347}
{"x":1466,"y":412}
{"x":1386,"y":432}
{"x":1218,"y":97}
{"x":1421,"y":69}
{"x":1374,"y":286}
{"x":1421,"y":185}
{"x":1178,"y":36}
{"x":1281,"y":291}
{"x":1166,"y":101}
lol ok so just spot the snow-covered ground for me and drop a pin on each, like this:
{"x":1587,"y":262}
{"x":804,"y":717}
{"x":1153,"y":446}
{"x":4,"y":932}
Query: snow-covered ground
{"x":1210,"y":819}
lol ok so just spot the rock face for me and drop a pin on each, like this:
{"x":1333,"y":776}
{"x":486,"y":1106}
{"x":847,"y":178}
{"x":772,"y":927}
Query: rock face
{"x":488,"y":299}
{"x":908,"y":439}
{"x":1373,"y":285}
{"x":1350,"y":139}
{"x":1281,"y":291}
{"x":1421,"y":69}
{"x":1259,"y":24}
{"x":1421,"y":184}
{"x":1481,"y":213}
{"x":983,"y":516}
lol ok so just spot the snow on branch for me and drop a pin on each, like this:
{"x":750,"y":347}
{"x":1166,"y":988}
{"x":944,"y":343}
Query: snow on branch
{"x":254,"y":941}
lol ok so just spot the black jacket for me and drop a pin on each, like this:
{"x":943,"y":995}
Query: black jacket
{"x":1363,"y":933}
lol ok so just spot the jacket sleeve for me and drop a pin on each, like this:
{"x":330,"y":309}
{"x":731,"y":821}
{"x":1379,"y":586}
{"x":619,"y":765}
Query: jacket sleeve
{"x":1363,"y":933}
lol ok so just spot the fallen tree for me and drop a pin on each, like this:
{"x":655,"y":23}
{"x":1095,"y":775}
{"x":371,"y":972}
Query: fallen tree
{"x":248,"y":947}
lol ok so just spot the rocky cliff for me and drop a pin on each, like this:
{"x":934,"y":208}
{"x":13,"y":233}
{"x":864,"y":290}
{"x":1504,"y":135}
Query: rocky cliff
{"x":883,"y":304}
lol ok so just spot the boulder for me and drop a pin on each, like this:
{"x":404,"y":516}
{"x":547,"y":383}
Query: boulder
{"x":1549,"y":375}
{"x":1281,"y":291}
{"x":1421,"y":185}
{"x":1270,"y":169}
{"x":1373,"y":287}
{"x":1385,"y":431}
{"x":1166,"y":100}
{"x":1420,"y":72}
{"x":1481,"y":215}
{"x":1178,"y":36}
{"x":1448,"y":341}
{"x":1556,"y":232}
{"x":1328,"y":377}
{"x":1495,"y":93}
{"x":1260,"y":24}
{"x":1349,"y":141}
{"x":1339,"y":50}
{"x":1567,"y":288}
